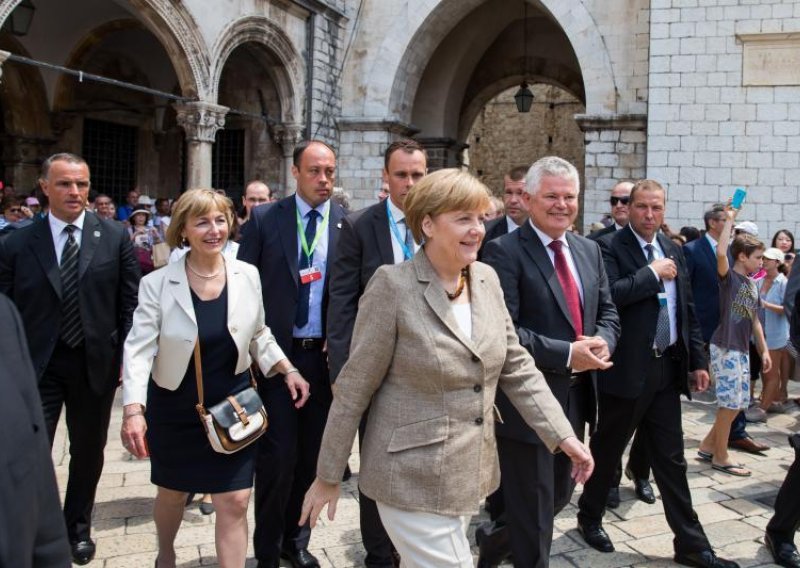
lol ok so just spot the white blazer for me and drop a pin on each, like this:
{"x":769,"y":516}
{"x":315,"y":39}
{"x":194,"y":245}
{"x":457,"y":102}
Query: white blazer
{"x":161,"y":340}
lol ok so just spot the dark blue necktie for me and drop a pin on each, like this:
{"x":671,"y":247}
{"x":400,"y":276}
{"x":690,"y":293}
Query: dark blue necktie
{"x":71,"y":326}
{"x":301,"y":316}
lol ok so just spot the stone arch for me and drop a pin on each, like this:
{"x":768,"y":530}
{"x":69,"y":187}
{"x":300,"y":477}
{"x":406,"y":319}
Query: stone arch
{"x":174,"y":27}
{"x":23,"y":96}
{"x":287,"y":73}
{"x":372,"y":94}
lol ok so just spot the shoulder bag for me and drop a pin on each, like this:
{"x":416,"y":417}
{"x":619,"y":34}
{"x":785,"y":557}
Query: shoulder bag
{"x":237,"y":421}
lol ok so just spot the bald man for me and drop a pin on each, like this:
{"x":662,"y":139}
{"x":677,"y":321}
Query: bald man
{"x":255,"y":193}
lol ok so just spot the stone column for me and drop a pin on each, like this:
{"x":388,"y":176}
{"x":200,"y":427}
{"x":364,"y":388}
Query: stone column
{"x":22,"y":156}
{"x":200,"y":121}
{"x":3,"y":56}
{"x":287,"y":137}
{"x":615,"y":150}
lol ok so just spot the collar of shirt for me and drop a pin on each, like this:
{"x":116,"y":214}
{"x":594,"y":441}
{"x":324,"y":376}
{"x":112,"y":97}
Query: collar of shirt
{"x":304,"y":207}
{"x":397,"y":213}
{"x":57,"y":225}
{"x":512,"y":226}
{"x":619,"y":227}
{"x":547,"y":239}
{"x":643,"y":243}
{"x":713,"y":241}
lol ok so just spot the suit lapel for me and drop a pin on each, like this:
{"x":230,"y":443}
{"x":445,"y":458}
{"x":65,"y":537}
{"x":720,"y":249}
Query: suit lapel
{"x":633,"y":248}
{"x":709,"y":252}
{"x":534,"y":248}
{"x":233,"y":288}
{"x":334,"y":227}
{"x":43,"y":249}
{"x":383,"y":237}
{"x":90,"y":237}
{"x":179,"y":286}
{"x":287,"y":228}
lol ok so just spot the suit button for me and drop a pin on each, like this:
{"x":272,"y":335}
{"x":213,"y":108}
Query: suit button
{"x":477,"y":388}
{"x":479,"y":420}
{"x":475,"y":358}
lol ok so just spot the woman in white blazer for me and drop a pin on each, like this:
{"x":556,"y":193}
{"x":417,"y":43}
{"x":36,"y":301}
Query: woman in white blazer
{"x":216,"y":301}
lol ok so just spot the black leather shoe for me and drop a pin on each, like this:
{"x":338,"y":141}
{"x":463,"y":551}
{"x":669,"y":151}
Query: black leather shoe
{"x":300,"y":558}
{"x":268,"y":564}
{"x":704,"y":559}
{"x":613,"y":498}
{"x":83,"y":552}
{"x":644,"y":491}
{"x":784,"y":553}
{"x":595,"y":536}
{"x":494,"y":544}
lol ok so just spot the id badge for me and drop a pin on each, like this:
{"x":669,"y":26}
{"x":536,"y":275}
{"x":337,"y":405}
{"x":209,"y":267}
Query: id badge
{"x":309,"y":275}
{"x":662,"y":299}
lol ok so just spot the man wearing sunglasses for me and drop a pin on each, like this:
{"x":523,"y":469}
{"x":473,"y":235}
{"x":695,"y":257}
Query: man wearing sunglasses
{"x":620,"y":196}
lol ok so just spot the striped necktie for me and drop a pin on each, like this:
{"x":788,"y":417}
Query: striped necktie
{"x":71,"y":327}
{"x":661,"y":341}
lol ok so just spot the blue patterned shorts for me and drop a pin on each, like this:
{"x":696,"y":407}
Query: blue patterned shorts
{"x":731,"y":372}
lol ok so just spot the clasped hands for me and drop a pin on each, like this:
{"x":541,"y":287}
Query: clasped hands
{"x":590,"y":354}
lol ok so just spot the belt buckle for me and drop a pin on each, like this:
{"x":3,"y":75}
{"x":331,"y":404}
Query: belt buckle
{"x":656,"y":354}
{"x":307,"y":343}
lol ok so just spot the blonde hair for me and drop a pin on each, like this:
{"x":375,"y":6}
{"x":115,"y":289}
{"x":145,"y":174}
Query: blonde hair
{"x":441,"y":192}
{"x":194,"y":203}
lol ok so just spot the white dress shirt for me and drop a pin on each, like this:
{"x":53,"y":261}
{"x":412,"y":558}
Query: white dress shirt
{"x":512,"y":226}
{"x":670,"y":286}
{"x":400,"y":219}
{"x":60,"y":236}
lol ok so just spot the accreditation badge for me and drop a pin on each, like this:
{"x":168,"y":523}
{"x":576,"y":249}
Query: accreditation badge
{"x":309,"y":275}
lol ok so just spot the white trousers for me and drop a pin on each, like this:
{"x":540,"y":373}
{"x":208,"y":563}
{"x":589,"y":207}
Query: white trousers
{"x":426,"y":540}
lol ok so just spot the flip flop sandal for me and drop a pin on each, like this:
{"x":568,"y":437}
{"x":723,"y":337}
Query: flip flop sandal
{"x":704,"y":456}
{"x":729,"y":469}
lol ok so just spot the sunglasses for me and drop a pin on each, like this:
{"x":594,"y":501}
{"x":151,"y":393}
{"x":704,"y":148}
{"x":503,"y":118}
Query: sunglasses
{"x":787,"y":257}
{"x":15,"y":210}
{"x":623,"y":200}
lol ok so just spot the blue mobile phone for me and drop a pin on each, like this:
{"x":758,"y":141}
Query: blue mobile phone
{"x":738,"y":198}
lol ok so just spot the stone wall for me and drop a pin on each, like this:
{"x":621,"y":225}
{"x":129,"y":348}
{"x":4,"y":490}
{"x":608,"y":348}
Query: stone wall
{"x":707,"y":133}
{"x":326,"y":92}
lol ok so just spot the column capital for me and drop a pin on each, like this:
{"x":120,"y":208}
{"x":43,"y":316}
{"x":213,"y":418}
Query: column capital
{"x":200,"y":120}
{"x":3,"y":56}
{"x":287,"y":137}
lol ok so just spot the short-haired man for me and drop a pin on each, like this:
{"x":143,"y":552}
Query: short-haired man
{"x":620,"y":195}
{"x":255,"y":193}
{"x":659,"y":345}
{"x":370,"y":238}
{"x":515,"y":211}
{"x":131,"y":201}
{"x":103,"y":206}
{"x":84,"y":277}
{"x":290,"y":242}
{"x":556,"y":291}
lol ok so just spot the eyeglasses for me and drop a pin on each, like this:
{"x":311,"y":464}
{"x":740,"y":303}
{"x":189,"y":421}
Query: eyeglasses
{"x":14,"y":210}
{"x":788,"y":257}
{"x":623,"y":200}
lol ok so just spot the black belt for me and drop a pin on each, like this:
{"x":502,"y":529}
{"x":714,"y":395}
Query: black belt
{"x":307,"y":343}
{"x":577,"y":378}
{"x":671,"y":351}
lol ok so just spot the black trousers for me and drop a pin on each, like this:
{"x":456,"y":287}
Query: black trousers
{"x":656,"y":413}
{"x":286,"y":463}
{"x":786,"y":520}
{"x":638,"y":462}
{"x":65,"y":383}
{"x":376,"y":542}
{"x":537,"y":485}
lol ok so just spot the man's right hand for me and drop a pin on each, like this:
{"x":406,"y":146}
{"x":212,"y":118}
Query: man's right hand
{"x":584,"y":358}
{"x":665,"y":268}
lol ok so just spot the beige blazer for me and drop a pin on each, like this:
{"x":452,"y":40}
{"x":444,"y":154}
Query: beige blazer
{"x":164,"y":331}
{"x":430,"y":443}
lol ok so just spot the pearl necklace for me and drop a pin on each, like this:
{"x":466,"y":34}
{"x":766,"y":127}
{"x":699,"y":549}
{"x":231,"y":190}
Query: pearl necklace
{"x":204,"y":276}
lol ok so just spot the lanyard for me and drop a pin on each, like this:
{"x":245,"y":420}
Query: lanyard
{"x":396,"y":232}
{"x":308,"y":251}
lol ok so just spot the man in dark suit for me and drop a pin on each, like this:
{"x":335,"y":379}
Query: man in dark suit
{"x":74,"y":279}
{"x":701,"y":261}
{"x":516,"y":212}
{"x":659,"y":345}
{"x":291,"y":242}
{"x":370,"y":238}
{"x":32,"y":532}
{"x":557,"y":293}
{"x":638,"y":468}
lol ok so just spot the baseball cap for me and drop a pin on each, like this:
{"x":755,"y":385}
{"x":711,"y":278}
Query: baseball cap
{"x":747,"y":227}
{"x":773,"y":253}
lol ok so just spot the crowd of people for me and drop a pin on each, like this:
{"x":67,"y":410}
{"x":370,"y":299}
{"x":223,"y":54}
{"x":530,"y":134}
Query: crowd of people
{"x":471,"y":343}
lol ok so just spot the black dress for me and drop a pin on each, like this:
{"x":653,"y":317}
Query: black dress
{"x":181,"y":457}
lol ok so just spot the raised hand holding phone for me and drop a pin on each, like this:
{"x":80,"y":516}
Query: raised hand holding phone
{"x":738,"y":198}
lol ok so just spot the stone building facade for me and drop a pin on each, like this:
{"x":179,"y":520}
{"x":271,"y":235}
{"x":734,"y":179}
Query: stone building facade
{"x":700,"y":94}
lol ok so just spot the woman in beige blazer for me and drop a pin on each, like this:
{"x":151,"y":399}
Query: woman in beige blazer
{"x":216,"y":301}
{"x":432,"y":343}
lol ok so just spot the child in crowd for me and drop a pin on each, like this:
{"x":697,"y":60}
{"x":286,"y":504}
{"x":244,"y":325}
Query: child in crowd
{"x":729,"y":346}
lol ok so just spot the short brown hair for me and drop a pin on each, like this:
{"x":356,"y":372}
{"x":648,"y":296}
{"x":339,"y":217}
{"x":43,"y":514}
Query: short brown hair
{"x":745,"y":243}
{"x":194,"y":203}
{"x":517,"y":173}
{"x":406,"y":145}
{"x":645,"y":185}
{"x":440,"y":192}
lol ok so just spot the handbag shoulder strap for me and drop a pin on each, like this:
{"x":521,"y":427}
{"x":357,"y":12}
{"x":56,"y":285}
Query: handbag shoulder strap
{"x":198,"y":375}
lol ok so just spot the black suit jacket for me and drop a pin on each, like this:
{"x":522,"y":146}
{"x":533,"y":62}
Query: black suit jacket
{"x":635,"y":289}
{"x":269,"y":242}
{"x":597,"y":235}
{"x":494,"y":229}
{"x":364,"y":245}
{"x":108,"y":286}
{"x":32,"y":530}
{"x":701,"y":261}
{"x":539,"y":310}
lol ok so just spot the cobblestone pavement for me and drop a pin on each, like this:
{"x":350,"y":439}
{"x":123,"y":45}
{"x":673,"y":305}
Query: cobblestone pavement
{"x":729,"y":508}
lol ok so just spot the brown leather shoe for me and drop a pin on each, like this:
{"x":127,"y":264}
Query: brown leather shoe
{"x":748,"y":444}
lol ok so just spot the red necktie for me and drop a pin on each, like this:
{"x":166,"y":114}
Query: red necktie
{"x":568,"y":286}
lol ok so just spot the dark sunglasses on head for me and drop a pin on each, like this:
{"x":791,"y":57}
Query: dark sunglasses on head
{"x":623,"y":200}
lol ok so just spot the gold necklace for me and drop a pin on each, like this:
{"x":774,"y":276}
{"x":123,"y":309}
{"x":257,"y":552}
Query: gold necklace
{"x":204,"y":276}
{"x":463,"y":278}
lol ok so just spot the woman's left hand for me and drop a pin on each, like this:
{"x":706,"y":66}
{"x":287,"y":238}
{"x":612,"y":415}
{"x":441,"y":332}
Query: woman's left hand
{"x":320,"y":493}
{"x":298,"y":388}
{"x":581,"y":457}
